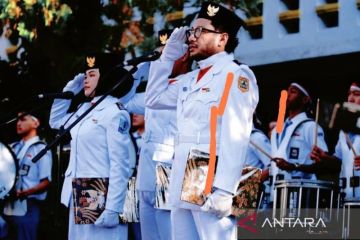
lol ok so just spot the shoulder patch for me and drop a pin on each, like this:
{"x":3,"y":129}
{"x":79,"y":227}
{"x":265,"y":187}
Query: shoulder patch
{"x":243,"y":84}
{"x":237,"y":62}
{"x":124,"y":125}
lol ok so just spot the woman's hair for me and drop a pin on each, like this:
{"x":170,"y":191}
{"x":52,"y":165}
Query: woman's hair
{"x":110,"y":78}
{"x":110,"y":73}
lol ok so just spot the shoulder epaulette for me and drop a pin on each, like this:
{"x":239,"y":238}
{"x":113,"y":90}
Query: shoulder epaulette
{"x":120,"y":106}
{"x":302,"y":122}
{"x":38,"y":142}
{"x":237,"y":62}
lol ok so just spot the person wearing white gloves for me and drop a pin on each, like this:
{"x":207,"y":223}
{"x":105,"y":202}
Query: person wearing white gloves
{"x":99,"y":146}
{"x":212,"y":39}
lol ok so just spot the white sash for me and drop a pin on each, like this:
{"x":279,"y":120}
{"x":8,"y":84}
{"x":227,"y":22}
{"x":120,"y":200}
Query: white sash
{"x":25,"y":148}
{"x":348,"y":164}
{"x":280,"y":151}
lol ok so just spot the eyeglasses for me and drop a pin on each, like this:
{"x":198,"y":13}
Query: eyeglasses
{"x":197,"y":32}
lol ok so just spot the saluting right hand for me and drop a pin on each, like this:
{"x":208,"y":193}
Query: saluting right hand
{"x":175,"y":46}
{"x":75,"y":85}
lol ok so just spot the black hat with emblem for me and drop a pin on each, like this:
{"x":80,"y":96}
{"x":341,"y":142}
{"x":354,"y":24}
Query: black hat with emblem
{"x":221,"y":17}
{"x":110,"y":73}
{"x":163,"y":36}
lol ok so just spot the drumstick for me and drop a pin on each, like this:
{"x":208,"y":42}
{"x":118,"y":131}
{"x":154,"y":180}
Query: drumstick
{"x":354,"y":152}
{"x":260,"y":149}
{"x":350,"y":143}
{"x":336,"y":108}
{"x":316,"y":122}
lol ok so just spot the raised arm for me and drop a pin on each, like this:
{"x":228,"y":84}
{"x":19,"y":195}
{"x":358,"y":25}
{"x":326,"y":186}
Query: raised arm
{"x":58,"y":114}
{"x":159,"y":93}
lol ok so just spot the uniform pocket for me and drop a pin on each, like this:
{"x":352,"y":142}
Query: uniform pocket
{"x":205,"y":101}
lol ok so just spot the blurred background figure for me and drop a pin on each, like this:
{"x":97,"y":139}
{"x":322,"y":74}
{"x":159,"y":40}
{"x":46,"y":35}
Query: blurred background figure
{"x":23,"y":209}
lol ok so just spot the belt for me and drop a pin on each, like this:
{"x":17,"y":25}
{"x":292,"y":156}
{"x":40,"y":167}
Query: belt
{"x":168,"y":139}
{"x":198,"y":139}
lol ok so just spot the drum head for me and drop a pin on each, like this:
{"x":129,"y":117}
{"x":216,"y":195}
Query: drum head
{"x":7,"y":170}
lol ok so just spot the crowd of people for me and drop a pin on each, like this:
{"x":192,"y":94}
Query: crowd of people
{"x":186,"y":118}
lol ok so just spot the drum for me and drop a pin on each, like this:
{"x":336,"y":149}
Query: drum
{"x":350,"y":186}
{"x":351,"y":216}
{"x":8,"y":170}
{"x":297,"y":198}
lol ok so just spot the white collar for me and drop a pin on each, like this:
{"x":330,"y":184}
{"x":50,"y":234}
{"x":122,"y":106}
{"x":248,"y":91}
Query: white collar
{"x":33,"y":139}
{"x":298,"y":116}
{"x":211,"y":60}
{"x":104,"y":103}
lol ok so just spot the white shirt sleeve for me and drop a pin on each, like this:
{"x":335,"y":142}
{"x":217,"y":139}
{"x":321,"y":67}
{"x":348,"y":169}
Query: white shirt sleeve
{"x":236,"y":125}
{"x":58,"y":113}
{"x":118,"y":141}
{"x":159,"y":93}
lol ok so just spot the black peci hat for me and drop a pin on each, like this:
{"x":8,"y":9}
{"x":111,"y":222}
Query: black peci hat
{"x":110,"y":73}
{"x":163,"y":36}
{"x":221,"y":16}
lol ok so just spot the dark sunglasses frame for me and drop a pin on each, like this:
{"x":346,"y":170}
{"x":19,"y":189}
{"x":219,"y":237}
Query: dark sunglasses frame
{"x":198,"y":31}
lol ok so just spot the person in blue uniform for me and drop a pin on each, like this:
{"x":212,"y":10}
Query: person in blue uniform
{"x":344,"y":157}
{"x":23,"y":210}
{"x":157,"y":148}
{"x":346,"y":160}
{"x":100,"y":143}
{"x":158,"y":145}
{"x":254,"y":157}
{"x":292,"y":147}
{"x":211,"y":42}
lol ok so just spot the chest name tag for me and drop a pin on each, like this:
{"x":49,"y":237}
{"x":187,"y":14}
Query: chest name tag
{"x":294,"y":152}
{"x":24,"y":171}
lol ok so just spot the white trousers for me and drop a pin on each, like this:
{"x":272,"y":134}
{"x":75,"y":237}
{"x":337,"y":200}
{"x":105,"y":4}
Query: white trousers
{"x":154,"y":223}
{"x":193,"y":225}
{"x":92,"y":232}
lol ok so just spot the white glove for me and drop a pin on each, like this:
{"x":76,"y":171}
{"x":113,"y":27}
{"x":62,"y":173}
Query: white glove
{"x":218,"y":203}
{"x":76,"y":84}
{"x":108,"y":219}
{"x":175,"y":46}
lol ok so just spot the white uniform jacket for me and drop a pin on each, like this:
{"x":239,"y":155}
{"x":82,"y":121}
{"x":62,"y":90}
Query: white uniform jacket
{"x":99,"y":147}
{"x":296,"y":146}
{"x":158,"y":140}
{"x":32,"y":174}
{"x":158,"y":145}
{"x":346,"y":155}
{"x":193,"y":102}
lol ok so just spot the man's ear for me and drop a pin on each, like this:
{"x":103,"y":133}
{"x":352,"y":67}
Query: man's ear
{"x":224,"y":37}
{"x":36,"y":123}
{"x":306,"y":100}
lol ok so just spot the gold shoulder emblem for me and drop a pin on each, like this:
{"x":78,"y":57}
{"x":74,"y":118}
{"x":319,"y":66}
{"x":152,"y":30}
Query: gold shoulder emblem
{"x":212,"y":10}
{"x":243,"y":84}
{"x":90,"y":61}
{"x":163,"y":38}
